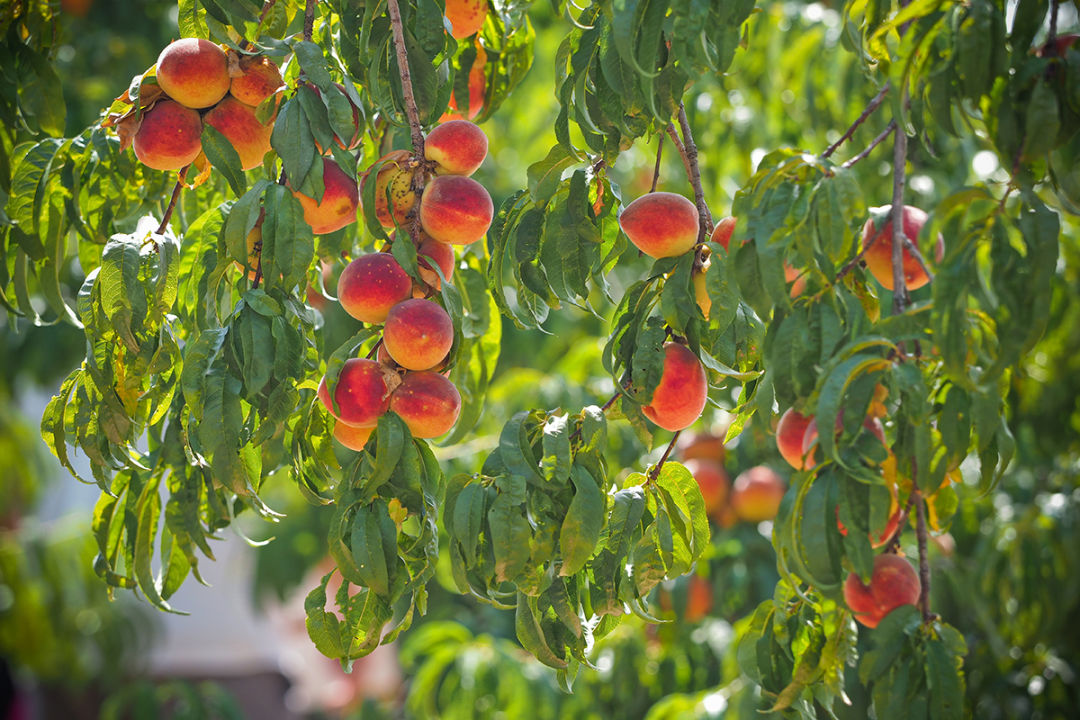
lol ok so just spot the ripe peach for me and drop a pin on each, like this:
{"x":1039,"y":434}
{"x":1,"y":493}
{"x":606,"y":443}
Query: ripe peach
{"x":352,"y":437}
{"x":456,"y":210}
{"x":477,"y":90}
{"x":797,"y":280}
{"x":438,"y":253}
{"x":394,"y":177}
{"x":428,"y":403}
{"x":418,"y":334}
{"x":680,"y":397}
{"x":810,"y":437}
{"x":193,"y":72}
{"x":372,"y":284}
{"x":339,"y":202}
{"x":789,"y":436}
{"x":169,"y":136}
{"x":237,"y":122}
{"x":466,"y":16}
{"x":878,"y":244}
{"x":879,"y":539}
{"x":661,"y":224}
{"x":699,"y":599}
{"x":361,"y":393}
{"x":713,"y":481}
{"x":260,"y":79}
{"x":723,"y":231}
{"x":702,"y":446}
{"x":458,"y":146}
{"x":354,"y":140}
{"x":757,"y":493}
{"x":893,"y":582}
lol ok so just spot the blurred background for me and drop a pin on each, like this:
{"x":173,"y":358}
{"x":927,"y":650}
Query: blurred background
{"x":1006,"y":573}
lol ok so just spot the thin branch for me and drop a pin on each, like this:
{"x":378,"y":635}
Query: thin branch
{"x":655,"y":472}
{"x":917,"y":254}
{"x":172,"y":200}
{"x":406,"y":79}
{"x":867,"y":112}
{"x":706,"y":225}
{"x":1052,"y":35}
{"x":873,"y":144}
{"x":924,"y":562}
{"x":896,"y":216}
{"x":853,"y":262}
{"x":656,"y":169}
{"x":309,"y":19}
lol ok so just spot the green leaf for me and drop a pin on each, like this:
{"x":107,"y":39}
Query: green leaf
{"x":580,"y":531}
{"x":223,"y":156}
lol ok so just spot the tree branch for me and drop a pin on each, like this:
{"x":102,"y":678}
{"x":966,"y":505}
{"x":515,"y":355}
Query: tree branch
{"x":873,"y":144}
{"x":656,"y":169}
{"x":896,"y":216}
{"x":655,"y":472}
{"x":867,"y":112}
{"x":1052,"y":34}
{"x":706,"y":225}
{"x":172,"y":200}
{"x":411,"y":111}
{"x":924,"y":562}
{"x":309,"y":19}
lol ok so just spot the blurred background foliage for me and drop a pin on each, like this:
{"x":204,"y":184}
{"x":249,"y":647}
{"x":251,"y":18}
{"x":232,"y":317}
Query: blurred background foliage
{"x":1007,"y":574}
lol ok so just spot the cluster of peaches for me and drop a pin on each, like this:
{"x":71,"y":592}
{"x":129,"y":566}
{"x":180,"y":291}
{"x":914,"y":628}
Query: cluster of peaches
{"x":408,"y":374}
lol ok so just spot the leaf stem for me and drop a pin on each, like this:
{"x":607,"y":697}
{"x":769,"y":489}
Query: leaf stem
{"x":656,"y":169}
{"x":867,"y":112}
{"x":873,"y":144}
{"x":896,"y":216}
{"x":172,"y":200}
{"x":924,"y":562}
{"x":655,"y":472}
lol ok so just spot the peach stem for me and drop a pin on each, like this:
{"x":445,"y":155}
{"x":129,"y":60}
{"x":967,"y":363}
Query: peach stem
{"x":656,"y":170}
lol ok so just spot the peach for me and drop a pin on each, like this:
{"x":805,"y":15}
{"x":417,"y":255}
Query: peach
{"x":361,"y":393}
{"x":477,"y":90}
{"x":891,"y":524}
{"x":193,"y":72}
{"x":169,"y":136}
{"x":458,"y":146}
{"x":438,"y":253}
{"x":394,"y":178}
{"x":237,"y":122}
{"x":810,"y":437}
{"x":722,"y":232}
{"x":456,"y":210}
{"x":756,"y":494}
{"x":428,"y":403}
{"x":680,"y":396}
{"x":466,"y":16}
{"x":878,"y":249}
{"x":893,"y":582}
{"x":702,"y":446}
{"x":661,"y":224}
{"x":418,"y":334}
{"x":352,"y":437}
{"x":699,"y":599}
{"x":797,"y":280}
{"x":713,"y":481}
{"x":339,"y":202}
{"x":254,"y":249}
{"x":701,"y":292}
{"x":259,"y":80}
{"x":789,"y":436}
{"x":372,"y":284}
{"x":355,"y":139}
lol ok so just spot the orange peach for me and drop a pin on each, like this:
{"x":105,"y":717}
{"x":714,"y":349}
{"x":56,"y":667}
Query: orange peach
{"x":361,"y":393}
{"x":458,"y":146}
{"x":372,"y":284}
{"x":699,"y":599}
{"x":797,"y":280}
{"x":237,"y":122}
{"x":193,"y":72}
{"x":878,"y":245}
{"x":456,"y":210}
{"x":477,"y":91}
{"x":701,"y":292}
{"x":418,"y":334}
{"x":438,"y":253}
{"x":723,"y":231}
{"x":259,"y":80}
{"x":169,"y":136}
{"x":810,"y":437}
{"x":661,"y":224}
{"x":702,"y":446}
{"x":756,"y":494}
{"x":680,"y":396}
{"x":891,"y":524}
{"x":466,"y":16}
{"x":789,"y":436}
{"x":713,"y":481}
{"x":352,"y":437}
{"x":428,"y":403}
{"x":893,"y":582}
{"x":339,"y":202}
{"x":394,"y":179}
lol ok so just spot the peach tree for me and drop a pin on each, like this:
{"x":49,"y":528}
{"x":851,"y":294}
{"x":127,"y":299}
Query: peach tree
{"x":889,"y":332}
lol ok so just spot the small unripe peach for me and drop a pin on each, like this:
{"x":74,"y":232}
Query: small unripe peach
{"x":878,"y":244}
{"x":418,"y":334}
{"x":680,"y":396}
{"x":789,"y":436}
{"x":339,"y":202}
{"x":466,"y":16}
{"x":372,"y":284}
{"x":193,"y":72}
{"x":661,"y":224}
{"x":756,"y":494}
{"x":352,"y":437}
{"x":456,"y":210}
{"x":722,"y":232}
{"x":361,"y":393}
{"x":260,"y":79}
{"x":237,"y":122}
{"x":169,"y":136}
{"x":893,"y":582}
{"x":713,"y":481}
{"x":428,"y":403}
{"x":458,"y":146}
{"x":394,"y":179}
